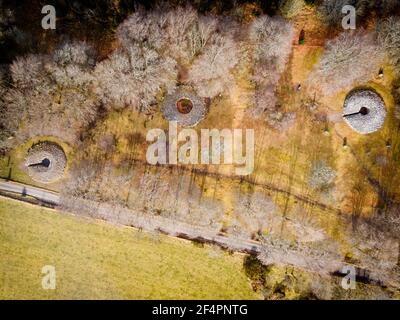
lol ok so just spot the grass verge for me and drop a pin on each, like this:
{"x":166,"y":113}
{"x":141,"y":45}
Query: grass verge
{"x":95,"y":260}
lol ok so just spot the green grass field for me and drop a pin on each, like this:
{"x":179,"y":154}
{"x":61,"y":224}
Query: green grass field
{"x":95,"y":260}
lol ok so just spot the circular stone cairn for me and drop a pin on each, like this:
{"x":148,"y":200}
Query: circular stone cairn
{"x":184,"y":107}
{"x":45,"y":162}
{"x":364,"y":111}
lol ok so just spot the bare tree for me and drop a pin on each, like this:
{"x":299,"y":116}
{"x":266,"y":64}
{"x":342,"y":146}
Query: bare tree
{"x":82,"y":180}
{"x":210,"y":73}
{"x":52,"y":93}
{"x":179,"y":200}
{"x":272,"y":42}
{"x":155,"y":193}
{"x":179,"y":32}
{"x":321,"y":176}
{"x":254,"y":214}
{"x":132,"y":76}
{"x":291,"y":8}
{"x":352,"y":57}
{"x":376,"y":245}
{"x":318,"y":257}
{"x":201,"y":33}
{"x":388,"y":32}
{"x":204,"y":45}
{"x":177,"y":24}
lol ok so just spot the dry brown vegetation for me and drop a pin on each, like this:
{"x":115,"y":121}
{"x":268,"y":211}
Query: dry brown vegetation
{"x":315,"y":181}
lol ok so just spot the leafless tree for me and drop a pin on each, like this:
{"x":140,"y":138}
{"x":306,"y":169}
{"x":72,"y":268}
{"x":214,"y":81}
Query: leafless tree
{"x":318,"y":257}
{"x":82,"y":180}
{"x":210,"y":73}
{"x":155,"y":193}
{"x":132,"y":76}
{"x":376,"y":244}
{"x":291,"y":8}
{"x":264,"y":102}
{"x":321,"y":176}
{"x":388,"y":32}
{"x":272,"y":41}
{"x":203,"y":44}
{"x":179,"y":200}
{"x":352,"y":57}
{"x":201,"y":33}
{"x":179,"y":32}
{"x":254,"y":214}
{"x":52,"y":93}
